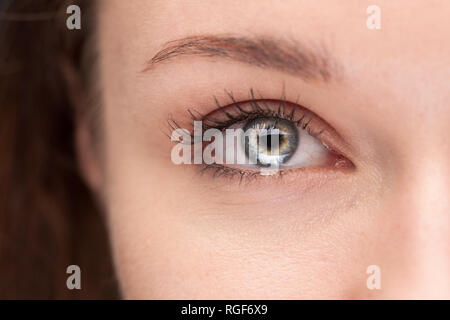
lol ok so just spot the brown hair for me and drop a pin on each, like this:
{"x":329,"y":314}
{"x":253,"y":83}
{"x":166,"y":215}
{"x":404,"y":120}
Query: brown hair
{"x":48,"y":217}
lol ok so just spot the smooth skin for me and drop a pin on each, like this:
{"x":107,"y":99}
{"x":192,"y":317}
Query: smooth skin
{"x":312,"y":234}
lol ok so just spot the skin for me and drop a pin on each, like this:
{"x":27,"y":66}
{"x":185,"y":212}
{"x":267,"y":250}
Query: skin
{"x":313,"y":233}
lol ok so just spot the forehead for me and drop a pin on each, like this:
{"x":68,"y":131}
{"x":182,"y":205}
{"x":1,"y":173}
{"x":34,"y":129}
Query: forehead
{"x":407,"y":26}
{"x":409,"y":52}
{"x":412,"y":30}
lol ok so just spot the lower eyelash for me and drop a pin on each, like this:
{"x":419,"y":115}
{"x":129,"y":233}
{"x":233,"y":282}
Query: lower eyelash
{"x":229,"y":172}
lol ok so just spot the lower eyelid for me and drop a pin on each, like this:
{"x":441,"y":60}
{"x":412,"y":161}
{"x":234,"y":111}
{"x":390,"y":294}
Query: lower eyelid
{"x":330,"y":161}
{"x":245,"y":177}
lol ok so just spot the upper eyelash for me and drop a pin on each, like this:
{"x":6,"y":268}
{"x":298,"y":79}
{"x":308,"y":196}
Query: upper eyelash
{"x":259,"y":108}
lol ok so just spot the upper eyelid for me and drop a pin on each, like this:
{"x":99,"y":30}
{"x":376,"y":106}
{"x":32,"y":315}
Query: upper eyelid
{"x":330,"y":136}
{"x":260,"y":108}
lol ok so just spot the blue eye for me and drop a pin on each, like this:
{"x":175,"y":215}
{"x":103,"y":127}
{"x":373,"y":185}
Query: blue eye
{"x":270,"y":141}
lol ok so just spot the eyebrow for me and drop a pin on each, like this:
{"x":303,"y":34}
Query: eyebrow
{"x":287,"y":56}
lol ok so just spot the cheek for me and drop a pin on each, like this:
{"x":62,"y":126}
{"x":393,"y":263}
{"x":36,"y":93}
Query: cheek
{"x":173,"y":238}
{"x":184,"y":249}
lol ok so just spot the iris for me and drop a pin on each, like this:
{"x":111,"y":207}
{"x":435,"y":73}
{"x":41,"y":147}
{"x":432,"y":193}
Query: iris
{"x":270,"y":141}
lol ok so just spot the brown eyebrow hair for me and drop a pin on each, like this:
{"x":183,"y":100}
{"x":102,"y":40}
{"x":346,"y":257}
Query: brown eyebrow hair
{"x":264,"y":52}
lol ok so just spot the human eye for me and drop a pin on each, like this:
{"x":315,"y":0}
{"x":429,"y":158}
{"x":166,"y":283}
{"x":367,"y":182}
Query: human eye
{"x":265,"y":137}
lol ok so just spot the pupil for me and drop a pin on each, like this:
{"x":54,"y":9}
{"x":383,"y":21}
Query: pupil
{"x":276,"y":137}
{"x":258,"y":145}
{"x":269,"y":142}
